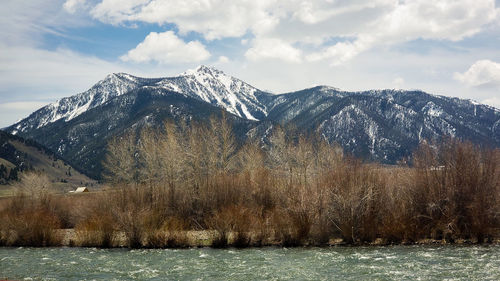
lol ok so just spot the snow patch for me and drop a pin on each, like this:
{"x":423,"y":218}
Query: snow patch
{"x":432,"y":109}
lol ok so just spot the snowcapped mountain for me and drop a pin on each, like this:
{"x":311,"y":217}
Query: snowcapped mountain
{"x":215,"y":87}
{"x":380,"y":125}
{"x":385,"y":125}
{"x":68,"y":108}
{"x":203,"y":83}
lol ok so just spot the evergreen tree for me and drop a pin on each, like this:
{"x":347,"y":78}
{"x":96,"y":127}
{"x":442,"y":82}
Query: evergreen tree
{"x":3,"y":172}
{"x":13,"y":175}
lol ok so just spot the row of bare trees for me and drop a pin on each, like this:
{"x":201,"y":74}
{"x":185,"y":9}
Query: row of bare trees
{"x":196,"y":172}
{"x":295,"y":190}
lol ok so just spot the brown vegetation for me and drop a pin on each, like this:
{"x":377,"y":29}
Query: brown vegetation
{"x":31,"y":217}
{"x":297,"y":190}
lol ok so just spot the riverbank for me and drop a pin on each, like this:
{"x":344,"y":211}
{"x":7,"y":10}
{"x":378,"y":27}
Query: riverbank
{"x":208,"y":238}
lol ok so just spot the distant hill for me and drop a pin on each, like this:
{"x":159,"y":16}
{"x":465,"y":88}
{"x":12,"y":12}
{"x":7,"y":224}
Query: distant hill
{"x":376,"y":125}
{"x":18,"y":155}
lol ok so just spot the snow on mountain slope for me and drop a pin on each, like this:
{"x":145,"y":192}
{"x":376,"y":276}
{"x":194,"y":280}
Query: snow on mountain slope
{"x":203,"y":83}
{"x":113,"y":85}
{"x":215,"y":87}
{"x":352,"y":125}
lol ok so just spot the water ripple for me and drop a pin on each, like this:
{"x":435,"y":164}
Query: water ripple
{"x":336,"y":263}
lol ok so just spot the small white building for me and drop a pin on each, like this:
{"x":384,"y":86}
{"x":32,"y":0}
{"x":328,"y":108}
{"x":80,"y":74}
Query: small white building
{"x":80,"y":189}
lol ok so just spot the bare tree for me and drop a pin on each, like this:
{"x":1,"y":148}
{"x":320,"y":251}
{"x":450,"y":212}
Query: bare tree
{"x":279,"y":156}
{"x":304,"y":156}
{"x":150,"y":157}
{"x":173,"y":158}
{"x":251,"y":159}
{"x":222,"y":144}
{"x":37,"y":187}
{"x":120,"y":164}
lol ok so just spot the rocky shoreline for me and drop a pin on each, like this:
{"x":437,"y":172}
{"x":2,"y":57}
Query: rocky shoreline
{"x":205,"y":238}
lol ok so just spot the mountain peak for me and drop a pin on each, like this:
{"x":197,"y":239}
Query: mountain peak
{"x":216,"y":87}
{"x":120,"y":76}
{"x":203,"y":70}
{"x":326,"y":88}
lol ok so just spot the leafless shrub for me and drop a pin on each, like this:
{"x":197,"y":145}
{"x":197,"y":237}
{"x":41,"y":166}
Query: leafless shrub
{"x":456,"y":191}
{"x":34,"y":227}
{"x":355,"y":191}
{"x":170,"y":234}
{"x":233,"y":219}
{"x":97,"y":230}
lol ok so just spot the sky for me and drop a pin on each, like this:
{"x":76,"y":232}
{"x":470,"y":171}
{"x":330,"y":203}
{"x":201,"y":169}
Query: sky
{"x":58,"y":48}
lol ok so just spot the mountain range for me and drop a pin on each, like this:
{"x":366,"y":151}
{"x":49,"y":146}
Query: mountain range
{"x":377,"y":125}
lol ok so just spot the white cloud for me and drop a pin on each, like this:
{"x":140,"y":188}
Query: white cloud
{"x":411,"y":20}
{"x":26,"y":22}
{"x":313,"y":12}
{"x":481,"y":73}
{"x":342,"y":51}
{"x":223,"y":59}
{"x":359,"y":24}
{"x":272,"y":48}
{"x":31,"y":70}
{"x":71,"y":6}
{"x":166,"y":48}
{"x":214,"y":19}
{"x":373,"y":69}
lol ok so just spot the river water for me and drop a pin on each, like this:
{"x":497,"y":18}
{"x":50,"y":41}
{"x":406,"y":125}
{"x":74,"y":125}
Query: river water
{"x":335,"y":263}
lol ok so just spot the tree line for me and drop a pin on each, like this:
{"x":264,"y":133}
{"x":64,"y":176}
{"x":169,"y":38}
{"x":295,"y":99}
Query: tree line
{"x":295,"y":190}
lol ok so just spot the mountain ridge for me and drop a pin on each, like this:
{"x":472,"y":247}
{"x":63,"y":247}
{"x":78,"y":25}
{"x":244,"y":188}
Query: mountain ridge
{"x":70,"y":107}
{"x":191,"y":83}
{"x":377,"y":125}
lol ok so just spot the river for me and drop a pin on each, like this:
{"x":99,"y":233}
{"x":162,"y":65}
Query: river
{"x":334,"y":263}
